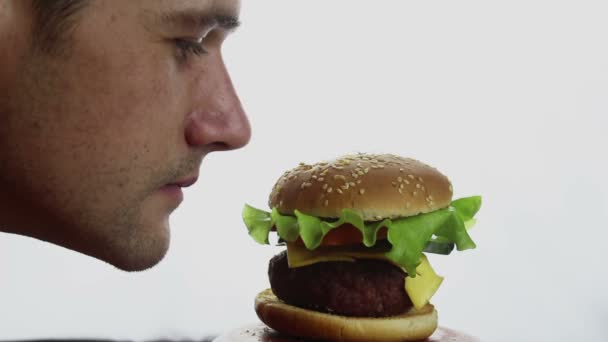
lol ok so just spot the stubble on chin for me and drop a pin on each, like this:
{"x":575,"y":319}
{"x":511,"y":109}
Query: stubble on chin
{"x":138,"y":231}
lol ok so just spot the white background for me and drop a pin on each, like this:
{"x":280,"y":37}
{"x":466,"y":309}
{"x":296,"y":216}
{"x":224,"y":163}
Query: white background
{"x":509,"y":99}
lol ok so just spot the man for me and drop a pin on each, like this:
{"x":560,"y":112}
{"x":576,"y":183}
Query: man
{"x":107,"y":109}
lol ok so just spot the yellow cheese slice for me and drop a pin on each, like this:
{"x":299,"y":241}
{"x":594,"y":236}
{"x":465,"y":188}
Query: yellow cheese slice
{"x":298,"y":256}
{"x":424,"y":285}
{"x":420,"y":289}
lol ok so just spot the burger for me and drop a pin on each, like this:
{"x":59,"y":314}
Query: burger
{"x":356,"y":230}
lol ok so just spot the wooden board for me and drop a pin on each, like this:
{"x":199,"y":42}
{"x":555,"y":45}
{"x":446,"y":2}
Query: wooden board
{"x":261,"y":333}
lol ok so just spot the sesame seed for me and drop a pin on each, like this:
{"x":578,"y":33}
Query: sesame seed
{"x":400,"y":190}
{"x":411,"y":176}
{"x":394,"y":184}
{"x":400,"y":179}
{"x":414,"y":193}
{"x":401,"y":170}
{"x":321,"y":179}
{"x":417,"y":186}
{"x":314,"y":176}
{"x":450,"y":188}
{"x":366,"y":170}
{"x":324,"y":186}
{"x":361,"y":173}
{"x":406,"y":181}
{"x":326,"y":203}
{"x":361,"y":191}
{"x":339,"y":191}
{"x":339,"y":177}
{"x":420,"y":179}
{"x":407,"y":204}
{"x":330,"y":189}
{"x":280,"y":203}
{"x":401,"y":186}
{"x":355,"y":175}
{"x":353,"y":183}
{"x":378,"y":217}
{"x":422,"y":187}
{"x":430,"y":197}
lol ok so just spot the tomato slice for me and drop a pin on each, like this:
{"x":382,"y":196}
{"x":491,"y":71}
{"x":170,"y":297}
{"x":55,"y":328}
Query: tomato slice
{"x":345,"y":234}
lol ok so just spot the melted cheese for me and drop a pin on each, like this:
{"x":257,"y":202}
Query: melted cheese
{"x":420,"y":289}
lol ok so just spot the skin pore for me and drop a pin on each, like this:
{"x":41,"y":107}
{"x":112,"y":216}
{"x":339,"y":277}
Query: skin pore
{"x":95,"y":137}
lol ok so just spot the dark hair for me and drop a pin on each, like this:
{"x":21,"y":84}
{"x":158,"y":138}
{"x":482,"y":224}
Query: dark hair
{"x":53,"y":22}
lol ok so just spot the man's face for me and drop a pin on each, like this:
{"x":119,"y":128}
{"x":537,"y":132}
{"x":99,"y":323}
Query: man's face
{"x":96,"y":140}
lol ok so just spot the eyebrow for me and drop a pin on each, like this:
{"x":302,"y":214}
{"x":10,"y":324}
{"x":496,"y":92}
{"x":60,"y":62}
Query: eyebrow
{"x":197,"y":19}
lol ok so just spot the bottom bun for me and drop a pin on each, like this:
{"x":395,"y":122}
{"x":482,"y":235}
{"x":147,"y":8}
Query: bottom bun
{"x":413,"y":325}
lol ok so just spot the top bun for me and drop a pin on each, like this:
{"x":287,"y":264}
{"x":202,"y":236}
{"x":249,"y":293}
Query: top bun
{"x":377,"y":186}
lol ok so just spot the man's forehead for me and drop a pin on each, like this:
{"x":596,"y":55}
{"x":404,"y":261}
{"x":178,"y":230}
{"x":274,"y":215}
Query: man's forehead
{"x":227,"y":7}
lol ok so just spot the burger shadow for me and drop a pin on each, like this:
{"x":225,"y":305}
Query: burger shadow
{"x":269,"y":335}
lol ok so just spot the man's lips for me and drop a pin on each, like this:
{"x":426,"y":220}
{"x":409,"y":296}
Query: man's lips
{"x":174,"y":189}
{"x":185,"y":182}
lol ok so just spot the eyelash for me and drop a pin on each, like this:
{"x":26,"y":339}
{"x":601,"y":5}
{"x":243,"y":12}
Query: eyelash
{"x":188,"y":48}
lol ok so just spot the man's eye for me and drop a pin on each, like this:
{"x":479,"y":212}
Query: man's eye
{"x":189,"y":48}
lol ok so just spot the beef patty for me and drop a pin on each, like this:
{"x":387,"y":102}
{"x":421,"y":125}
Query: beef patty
{"x":364,"y":288}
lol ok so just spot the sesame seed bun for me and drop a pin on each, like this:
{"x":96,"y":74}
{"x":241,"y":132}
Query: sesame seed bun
{"x":411,"y":326}
{"x":377,"y":186}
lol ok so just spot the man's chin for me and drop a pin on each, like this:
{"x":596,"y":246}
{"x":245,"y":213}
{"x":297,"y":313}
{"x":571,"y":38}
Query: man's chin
{"x":141,"y":250}
{"x":138,"y":259}
{"x":145,"y":243}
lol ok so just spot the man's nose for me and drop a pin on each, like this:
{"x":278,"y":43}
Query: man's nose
{"x":219,"y":122}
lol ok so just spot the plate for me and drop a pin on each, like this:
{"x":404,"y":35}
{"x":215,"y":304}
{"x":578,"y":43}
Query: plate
{"x":261,"y":333}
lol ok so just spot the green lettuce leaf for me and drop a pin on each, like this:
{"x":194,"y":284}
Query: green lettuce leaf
{"x":313,"y":229}
{"x":453,"y":229}
{"x":467,"y":207}
{"x":434,"y":232}
{"x":287,"y":226}
{"x":258,"y":223}
{"x":409,"y":236}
